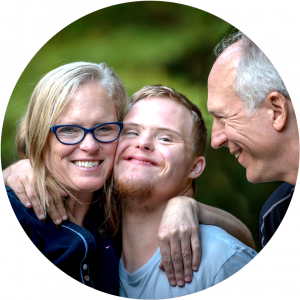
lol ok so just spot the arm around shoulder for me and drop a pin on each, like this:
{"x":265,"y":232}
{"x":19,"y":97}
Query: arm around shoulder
{"x":209,"y":215}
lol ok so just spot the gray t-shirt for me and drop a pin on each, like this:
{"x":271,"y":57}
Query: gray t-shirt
{"x":221,"y":256}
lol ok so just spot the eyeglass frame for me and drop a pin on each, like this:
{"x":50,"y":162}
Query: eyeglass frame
{"x":85,"y":131}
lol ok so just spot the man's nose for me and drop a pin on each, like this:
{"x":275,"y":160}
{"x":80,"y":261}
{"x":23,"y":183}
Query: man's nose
{"x":145,"y":142}
{"x":218,"y":136}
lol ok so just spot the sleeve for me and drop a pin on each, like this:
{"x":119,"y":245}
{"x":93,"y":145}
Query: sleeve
{"x":17,"y":207}
{"x":234,"y":263}
{"x":25,"y":216}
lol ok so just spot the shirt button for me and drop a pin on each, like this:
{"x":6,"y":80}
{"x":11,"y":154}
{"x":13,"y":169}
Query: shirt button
{"x":86,"y":278}
{"x":84,"y":267}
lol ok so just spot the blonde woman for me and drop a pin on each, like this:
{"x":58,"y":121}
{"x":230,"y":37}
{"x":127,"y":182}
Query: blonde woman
{"x":69,"y":134}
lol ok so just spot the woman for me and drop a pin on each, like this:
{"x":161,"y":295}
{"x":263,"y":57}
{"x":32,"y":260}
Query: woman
{"x":69,"y":134}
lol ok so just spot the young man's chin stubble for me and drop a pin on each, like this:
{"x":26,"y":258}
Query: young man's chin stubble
{"x":134,"y":196}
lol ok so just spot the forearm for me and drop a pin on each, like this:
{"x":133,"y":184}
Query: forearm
{"x":214,"y":216}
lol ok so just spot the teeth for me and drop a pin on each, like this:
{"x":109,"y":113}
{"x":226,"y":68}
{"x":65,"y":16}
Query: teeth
{"x":237,"y":154}
{"x":87,"y":164}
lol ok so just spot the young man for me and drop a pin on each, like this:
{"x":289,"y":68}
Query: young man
{"x":254,"y":117}
{"x":159,"y":155}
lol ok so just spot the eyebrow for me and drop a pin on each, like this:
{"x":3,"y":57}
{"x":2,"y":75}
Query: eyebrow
{"x":156,"y":128}
{"x":216,"y":113}
{"x":212,"y":111}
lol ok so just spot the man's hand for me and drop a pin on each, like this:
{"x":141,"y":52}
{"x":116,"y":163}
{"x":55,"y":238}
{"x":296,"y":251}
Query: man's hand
{"x":179,"y":241}
{"x":19,"y":177}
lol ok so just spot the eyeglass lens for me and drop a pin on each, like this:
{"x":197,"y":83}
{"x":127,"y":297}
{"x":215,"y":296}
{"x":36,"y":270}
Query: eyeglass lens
{"x":71,"y":134}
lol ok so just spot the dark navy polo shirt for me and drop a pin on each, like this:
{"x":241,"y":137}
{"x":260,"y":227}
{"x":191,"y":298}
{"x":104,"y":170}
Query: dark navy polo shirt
{"x":80,"y":252}
{"x":274,"y":211}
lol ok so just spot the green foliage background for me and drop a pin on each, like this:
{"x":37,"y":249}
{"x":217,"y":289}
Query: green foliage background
{"x":149,"y":43}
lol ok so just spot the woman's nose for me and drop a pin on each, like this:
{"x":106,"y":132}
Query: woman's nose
{"x":89,"y":143}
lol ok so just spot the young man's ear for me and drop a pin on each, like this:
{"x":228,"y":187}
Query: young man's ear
{"x":198,"y":167}
{"x":279,"y":109}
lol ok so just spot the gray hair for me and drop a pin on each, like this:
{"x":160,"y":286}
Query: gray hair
{"x":256,"y":76}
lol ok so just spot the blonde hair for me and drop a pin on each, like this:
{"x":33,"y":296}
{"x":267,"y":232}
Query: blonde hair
{"x":48,"y":101}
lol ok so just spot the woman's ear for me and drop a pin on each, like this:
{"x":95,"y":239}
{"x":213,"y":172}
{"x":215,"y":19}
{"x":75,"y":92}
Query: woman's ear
{"x":278,"y":105}
{"x":198,"y":167}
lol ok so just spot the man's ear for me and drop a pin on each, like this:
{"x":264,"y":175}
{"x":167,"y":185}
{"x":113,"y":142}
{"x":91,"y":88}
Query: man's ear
{"x":198,"y":167}
{"x":279,"y":108}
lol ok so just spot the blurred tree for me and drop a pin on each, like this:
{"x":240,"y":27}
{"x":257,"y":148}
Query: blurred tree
{"x":149,"y":42}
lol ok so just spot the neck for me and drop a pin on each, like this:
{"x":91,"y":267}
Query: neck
{"x":139,"y":234}
{"x":288,"y":165}
{"x":291,"y":142}
{"x":79,"y":206}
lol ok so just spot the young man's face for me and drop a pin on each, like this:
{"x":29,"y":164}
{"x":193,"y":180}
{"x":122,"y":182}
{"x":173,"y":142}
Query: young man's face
{"x":156,"y":146}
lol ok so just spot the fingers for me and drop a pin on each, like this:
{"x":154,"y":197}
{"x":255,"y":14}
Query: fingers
{"x":180,"y":255}
{"x":161,"y":266}
{"x":173,"y":258}
{"x":196,"y":248}
{"x":27,"y":196}
{"x":19,"y":190}
{"x":187,"y":257}
{"x":56,"y":210}
{"x":177,"y":259}
{"x":166,"y":260}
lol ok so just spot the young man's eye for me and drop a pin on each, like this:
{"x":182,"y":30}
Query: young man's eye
{"x":165,"y":139}
{"x":129,"y":132}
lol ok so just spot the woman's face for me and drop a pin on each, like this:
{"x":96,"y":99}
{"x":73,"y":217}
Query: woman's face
{"x":88,"y":107}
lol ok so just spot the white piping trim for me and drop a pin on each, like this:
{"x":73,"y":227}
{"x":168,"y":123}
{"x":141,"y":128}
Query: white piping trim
{"x":271,"y":208}
{"x":86,"y":248}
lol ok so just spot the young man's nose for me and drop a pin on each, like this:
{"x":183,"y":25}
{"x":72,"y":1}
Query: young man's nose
{"x":145,"y":142}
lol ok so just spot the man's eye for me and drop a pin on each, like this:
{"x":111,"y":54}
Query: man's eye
{"x":129,"y":132}
{"x":165,"y":139}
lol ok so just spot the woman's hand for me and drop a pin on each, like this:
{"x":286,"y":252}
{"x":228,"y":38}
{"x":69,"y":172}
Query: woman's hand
{"x":178,"y":237}
{"x":19,"y":177}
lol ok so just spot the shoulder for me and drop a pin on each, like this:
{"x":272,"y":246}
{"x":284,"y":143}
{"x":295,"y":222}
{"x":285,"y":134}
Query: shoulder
{"x":19,"y":209}
{"x":217,"y":244}
{"x":222,"y":255}
{"x":11,"y":194}
{"x":216,"y":235}
{"x":273,"y":212}
{"x":282,"y":194}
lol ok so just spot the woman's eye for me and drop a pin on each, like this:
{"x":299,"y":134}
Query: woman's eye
{"x":67,"y":129}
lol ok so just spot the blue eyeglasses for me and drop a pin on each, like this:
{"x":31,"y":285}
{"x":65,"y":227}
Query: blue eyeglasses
{"x":73,"y":134}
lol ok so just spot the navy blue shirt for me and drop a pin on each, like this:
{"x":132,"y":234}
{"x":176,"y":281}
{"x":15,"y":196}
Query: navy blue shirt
{"x":274,"y":211}
{"x":81,"y":252}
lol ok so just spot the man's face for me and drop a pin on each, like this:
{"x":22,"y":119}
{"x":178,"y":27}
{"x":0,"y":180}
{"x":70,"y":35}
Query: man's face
{"x":156,"y":146}
{"x":248,"y":135}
